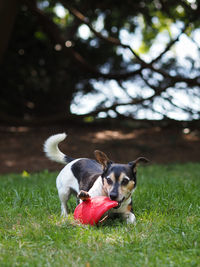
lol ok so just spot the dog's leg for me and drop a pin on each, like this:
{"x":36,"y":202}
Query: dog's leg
{"x":64,"y":196}
{"x":66,"y":184}
{"x":63,"y":210}
{"x":83,"y":195}
{"x":129,"y":215}
{"x":130,"y":218}
{"x":95,"y":190}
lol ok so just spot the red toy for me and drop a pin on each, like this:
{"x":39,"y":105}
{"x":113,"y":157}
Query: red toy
{"x":91,"y":210}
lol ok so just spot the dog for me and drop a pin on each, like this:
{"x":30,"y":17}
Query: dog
{"x":89,"y":178}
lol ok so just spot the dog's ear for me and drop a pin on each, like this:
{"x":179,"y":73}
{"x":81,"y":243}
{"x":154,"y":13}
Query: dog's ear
{"x":134,"y":163}
{"x":102,"y":158}
{"x":140,"y":159}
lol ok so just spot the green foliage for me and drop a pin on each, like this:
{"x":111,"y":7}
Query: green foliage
{"x":166,"y":205}
{"x":40,"y":77}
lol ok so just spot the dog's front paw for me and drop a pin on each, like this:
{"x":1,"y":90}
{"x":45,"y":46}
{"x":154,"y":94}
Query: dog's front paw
{"x":83,"y":195}
{"x":130,"y":218}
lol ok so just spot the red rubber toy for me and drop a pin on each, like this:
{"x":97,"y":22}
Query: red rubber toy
{"x":91,"y":210}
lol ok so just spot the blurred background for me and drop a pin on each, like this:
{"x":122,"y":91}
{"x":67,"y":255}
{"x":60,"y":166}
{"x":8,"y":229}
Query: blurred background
{"x":120,"y":76}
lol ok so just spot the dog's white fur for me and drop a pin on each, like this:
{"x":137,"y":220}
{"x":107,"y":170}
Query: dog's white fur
{"x":66,"y":181}
{"x":51,"y":148}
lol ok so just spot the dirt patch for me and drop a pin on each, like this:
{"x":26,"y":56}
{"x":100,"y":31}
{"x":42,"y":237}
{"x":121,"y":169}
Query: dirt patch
{"x":22,"y":148}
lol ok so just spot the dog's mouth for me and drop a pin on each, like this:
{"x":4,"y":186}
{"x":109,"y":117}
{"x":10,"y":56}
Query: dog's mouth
{"x":119,"y":203}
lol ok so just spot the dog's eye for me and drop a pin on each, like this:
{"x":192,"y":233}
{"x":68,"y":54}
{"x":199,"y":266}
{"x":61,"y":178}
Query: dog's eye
{"x":125,"y":181}
{"x":109,"y":181}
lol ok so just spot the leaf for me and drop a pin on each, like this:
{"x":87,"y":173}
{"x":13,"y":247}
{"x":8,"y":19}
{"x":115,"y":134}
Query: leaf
{"x":25,"y":174}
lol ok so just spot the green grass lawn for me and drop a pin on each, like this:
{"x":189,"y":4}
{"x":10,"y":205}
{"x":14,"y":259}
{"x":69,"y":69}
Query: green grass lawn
{"x":166,"y":205}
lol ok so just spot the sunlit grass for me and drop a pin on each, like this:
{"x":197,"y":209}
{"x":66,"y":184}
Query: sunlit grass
{"x":166,"y":205}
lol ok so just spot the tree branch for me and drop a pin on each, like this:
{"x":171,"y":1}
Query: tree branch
{"x":53,"y":31}
{"x":117,"y":42}
{"x":170,"y":44}
{"x":115,"y":105}
{"x":82,"y":18}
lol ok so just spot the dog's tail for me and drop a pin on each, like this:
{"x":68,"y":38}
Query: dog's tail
{"x":53,"y":152}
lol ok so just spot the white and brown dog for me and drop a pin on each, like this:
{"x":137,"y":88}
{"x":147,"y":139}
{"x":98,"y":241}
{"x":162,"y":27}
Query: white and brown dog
{"x":88,"y":178}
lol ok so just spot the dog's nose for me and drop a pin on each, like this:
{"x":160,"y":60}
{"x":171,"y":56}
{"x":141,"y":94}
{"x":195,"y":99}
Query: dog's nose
{"x":113,"y":195}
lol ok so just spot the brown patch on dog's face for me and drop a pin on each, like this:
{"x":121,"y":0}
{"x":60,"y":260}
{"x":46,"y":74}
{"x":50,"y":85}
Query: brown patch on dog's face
{"x":135,"y":169}
{"x":108,"y":183}
{"x":131,"y":185}
{"x":129,"y":207}
{"x":126,"y":185}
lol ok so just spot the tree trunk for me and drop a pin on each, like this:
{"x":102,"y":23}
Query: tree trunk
{"x":8,"y":12}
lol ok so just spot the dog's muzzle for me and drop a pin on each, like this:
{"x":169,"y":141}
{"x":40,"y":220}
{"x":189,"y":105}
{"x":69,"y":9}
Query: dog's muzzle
{"x":119,"y":203}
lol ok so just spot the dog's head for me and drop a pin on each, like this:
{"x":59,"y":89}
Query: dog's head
{"x":119,"y":180}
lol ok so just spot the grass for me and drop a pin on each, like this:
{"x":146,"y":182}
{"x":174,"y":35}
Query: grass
{"x":166,"y":205}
